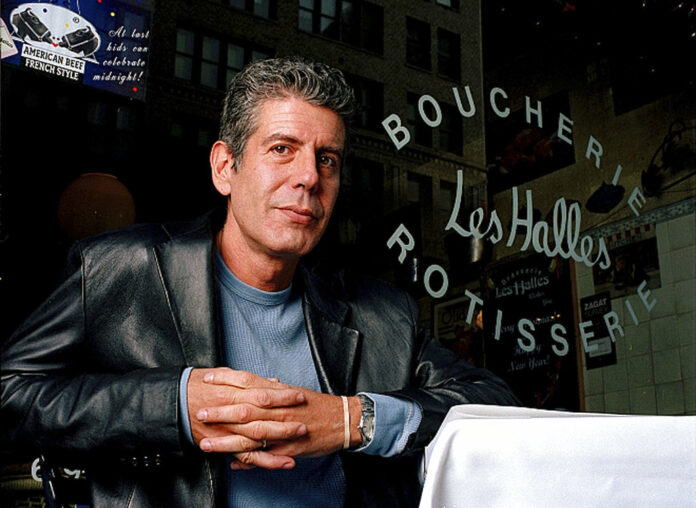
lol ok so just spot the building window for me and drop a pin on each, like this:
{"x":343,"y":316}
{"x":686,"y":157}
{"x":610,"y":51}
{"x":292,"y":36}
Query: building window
{"x":212,"y":61}
{"x":418,"y":43}
{"x":452,"y":4}
{"x":419,"y":190}
{"x":369,"y":96}
{"x":354,"y":22}
{"x":420,"y":132}
{"x":263,"y":8}
{"x":183,"y":64}
{"x":448,"y":55}
{"x":451,"y":130}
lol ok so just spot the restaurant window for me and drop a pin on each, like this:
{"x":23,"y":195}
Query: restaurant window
{"x":418,"y":43}
{"x":420,"y":132}
{"x":369,"y":96}
{"x":450,"y":130}
{"x":354,"y":22}
{"x":212,"y":61}
{"x":448,"y":55}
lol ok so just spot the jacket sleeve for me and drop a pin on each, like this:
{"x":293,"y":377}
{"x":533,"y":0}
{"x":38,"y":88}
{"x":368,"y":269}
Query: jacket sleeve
{"x":442,"y":380}
{"x":57,"y":399}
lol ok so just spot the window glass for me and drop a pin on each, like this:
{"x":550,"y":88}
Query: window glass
{"x":209,"y":74}
{"x":328,"y":8}
{"x":448,"y":54}
{"x":211,"y":49}
{"x":418,"y":43}
{"x":259,"y":55}
{"x":211,"y":61}
{"x":235,"y":56}
{"x":183,"y":67}
{"x":184,"y":41}
{"x":352,"y":21}
{"x":305,"y":21}
{"x":262,"y":8}
{"x":450,"y":129}
{"x":420,"y":132}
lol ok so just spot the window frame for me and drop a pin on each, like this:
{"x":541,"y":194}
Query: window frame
{"x":418,"y":46}
{"x":455,"y":58}
{"x":357,"y":34}
{"x":223,"y":66}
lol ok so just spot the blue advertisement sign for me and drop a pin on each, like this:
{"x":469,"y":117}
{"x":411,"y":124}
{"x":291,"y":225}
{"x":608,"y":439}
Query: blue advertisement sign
{"x":100,"y":43}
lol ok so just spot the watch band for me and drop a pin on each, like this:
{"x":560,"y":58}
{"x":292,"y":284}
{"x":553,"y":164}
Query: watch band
{"x":366,"y":427}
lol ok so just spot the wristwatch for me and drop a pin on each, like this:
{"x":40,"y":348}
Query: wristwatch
{"x":367,"y":420}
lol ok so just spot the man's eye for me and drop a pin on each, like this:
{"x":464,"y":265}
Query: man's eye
{"x":325,"y":160}
{"x":281,"y":149}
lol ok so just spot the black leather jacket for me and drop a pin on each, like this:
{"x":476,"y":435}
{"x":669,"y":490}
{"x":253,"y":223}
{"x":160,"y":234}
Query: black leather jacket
{"x":91,"y":377}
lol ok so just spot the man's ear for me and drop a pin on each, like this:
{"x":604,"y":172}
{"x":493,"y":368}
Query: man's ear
{"x":221,"y":165}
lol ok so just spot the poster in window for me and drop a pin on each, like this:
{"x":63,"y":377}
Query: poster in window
{"x":528,"y":326}
{"x":601,"y":350}
{"x":103,"y":44}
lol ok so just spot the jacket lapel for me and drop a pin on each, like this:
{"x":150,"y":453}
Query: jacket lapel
{"x":186,"y":266}
{"x":334,"y":346}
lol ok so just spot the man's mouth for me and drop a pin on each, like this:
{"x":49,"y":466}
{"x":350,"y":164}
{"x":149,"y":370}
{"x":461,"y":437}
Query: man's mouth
{"x":299,"y":214}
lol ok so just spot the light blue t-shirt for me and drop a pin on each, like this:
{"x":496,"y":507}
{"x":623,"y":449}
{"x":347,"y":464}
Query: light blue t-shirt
{"x":264,"y":333}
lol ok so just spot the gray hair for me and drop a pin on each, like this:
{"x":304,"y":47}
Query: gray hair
{"x":279,"y":78}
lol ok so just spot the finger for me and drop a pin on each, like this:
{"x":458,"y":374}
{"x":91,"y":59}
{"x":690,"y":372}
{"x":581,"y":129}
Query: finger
{"x":235,"y":465}
{"x":270,"y":431}
{"x":239,"y":378}
{"x":238,"y":413}
{"x":263,"y":459}
{"x":229,"y":444}
{"x":251,"y":422}
{"x":232,"y":413}
{"x":265,"y":397}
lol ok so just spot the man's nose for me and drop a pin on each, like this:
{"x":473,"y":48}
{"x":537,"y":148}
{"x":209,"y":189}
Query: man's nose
{"x":306,"y":173}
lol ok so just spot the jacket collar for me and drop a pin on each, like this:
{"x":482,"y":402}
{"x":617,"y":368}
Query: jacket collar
{"x":186,"y":265}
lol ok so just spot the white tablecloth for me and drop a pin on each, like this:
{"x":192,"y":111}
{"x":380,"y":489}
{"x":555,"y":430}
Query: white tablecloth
{"x":491,"y":456}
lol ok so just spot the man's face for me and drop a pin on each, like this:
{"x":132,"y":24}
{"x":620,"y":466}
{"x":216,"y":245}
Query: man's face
{"x":283,"y":192}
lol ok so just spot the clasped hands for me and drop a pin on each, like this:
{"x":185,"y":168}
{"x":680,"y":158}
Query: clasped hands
{"x":263,"y":422}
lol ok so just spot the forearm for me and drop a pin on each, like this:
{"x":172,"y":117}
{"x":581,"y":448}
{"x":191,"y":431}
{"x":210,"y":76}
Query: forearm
{"x":91,"y":414}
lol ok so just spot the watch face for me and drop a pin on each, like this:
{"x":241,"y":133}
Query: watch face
{"x":367,"y":420}
{"x":369,"y":426}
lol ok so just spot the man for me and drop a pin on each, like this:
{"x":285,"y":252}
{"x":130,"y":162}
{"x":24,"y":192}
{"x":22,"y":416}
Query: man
{"x":194,"y":365}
